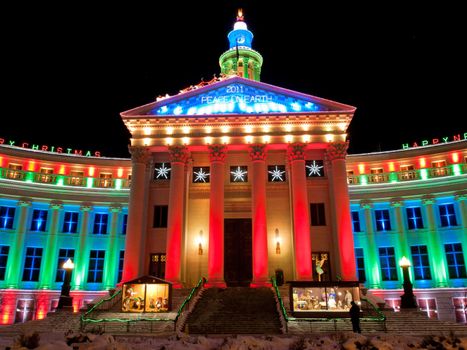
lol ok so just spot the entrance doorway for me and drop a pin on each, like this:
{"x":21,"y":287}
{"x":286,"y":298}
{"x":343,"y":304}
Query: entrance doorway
{"x":237,"y":252}
{"x":157,"y":265}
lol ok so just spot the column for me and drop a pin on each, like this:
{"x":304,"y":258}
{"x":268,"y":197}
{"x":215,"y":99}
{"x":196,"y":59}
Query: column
{"x":404,"y":249}
{"x":178,"y":158}
{"x":217,"y":155}
{"x":245,"y":67}
{"x":81,"y":263}
{"x":111,"y":261}
{"x":436,"y":251}
{"x":301,"y":213}
{"x":16,"y":255}
{"x":461,"y":198}
{"x":260,"y":233}
{"x":372,"y":263}
{"x":135,"y":236}
{"x":347,"y":268}
{"x":47,"y":275}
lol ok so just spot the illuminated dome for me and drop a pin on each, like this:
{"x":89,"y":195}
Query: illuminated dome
{"x":240,"y":25}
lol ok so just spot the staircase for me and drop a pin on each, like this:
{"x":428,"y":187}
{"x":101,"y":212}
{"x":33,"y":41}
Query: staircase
{"x":235,"y":310}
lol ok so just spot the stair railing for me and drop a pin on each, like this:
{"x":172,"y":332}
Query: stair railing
{"x":188,"y":306}
{"x":283,"y":311}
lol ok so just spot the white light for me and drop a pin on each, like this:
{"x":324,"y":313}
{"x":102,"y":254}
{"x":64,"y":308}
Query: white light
{"x":288,"y":138}
{"x":169,"y":141}
{"x":208,"y":129}
{"x":288,"y":128}
{"x":186,"y":129}
{"x":147,"y":130}
{"x":266,"y":138}
{"x":225,"y":129}
{"x":329,"y":137}
{"x":266,"y":128}
{"x":186,"y":140}
{"x":240,"y":25}
{"x":342,"y":126}
{"x":169,"y":130}
{"x":248,"y":129}
{"x":306,"y":138}
{"x":146,"y":141}
{"x":225,"y":139}
{"x":249,"y":139}
{"x":68,"y":264}
{"x":208,"y":140}
{"x":306,"y":127}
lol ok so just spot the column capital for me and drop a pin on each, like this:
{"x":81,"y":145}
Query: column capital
{"x":337,"y":150}
{"x":139,"y":154}
{"x":460,"y":197}
{"x":56,"y":205}
{"x":296,"y":151}
{"x":396,"y":202}
{"x":428,"y":199}
{"x":178,"y":154}
{"x":366,"y":204}
{"x":24,"y":202}
{"x":217,"y":153}
{"x":85,"y":206}
{"x":115,"y":208}
{"x":257,"y":151}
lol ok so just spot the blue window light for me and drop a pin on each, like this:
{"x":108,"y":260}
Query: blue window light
{"x":124,"y":224}
{"x":4,"y":250}
{"x":455,"y":260}
{"x":383,"y":222}
{"x":96,"y":266}
{"x":63,"y":256}
{"x":387,"y":260}
{"x":447,"y":215}
{"x":414,"y":218}
{"x":356,"y":222}
{"x":100,"y":224}
{"x":360,"y":264}
{"x":7,"y":217}
{"x":70,"y":222}
{"x":420,"y":262}
{"x":120,"y":265}
{"x":32,"y":264}
{"x":39,"y":220}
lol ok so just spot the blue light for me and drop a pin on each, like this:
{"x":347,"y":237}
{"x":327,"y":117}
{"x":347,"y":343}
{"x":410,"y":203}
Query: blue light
{"x":178,"y":110}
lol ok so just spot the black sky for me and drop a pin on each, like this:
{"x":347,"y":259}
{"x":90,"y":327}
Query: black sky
{"x":67,"y":73}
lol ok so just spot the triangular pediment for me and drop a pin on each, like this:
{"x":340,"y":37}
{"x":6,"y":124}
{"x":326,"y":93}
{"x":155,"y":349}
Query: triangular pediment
{"x":237,"y":96}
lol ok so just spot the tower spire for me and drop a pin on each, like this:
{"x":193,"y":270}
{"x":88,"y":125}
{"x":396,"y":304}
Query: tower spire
{"x":240,"y":59}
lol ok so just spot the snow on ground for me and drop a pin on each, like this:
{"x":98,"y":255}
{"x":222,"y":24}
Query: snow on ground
{"x":346,"y":341}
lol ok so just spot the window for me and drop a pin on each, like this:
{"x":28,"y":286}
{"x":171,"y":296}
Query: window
{"x":70,"y":222}
{"x":276,"y":173}
{"x":460,"y":306}
{"x":421,"y":265}
{"x":4,"y":250}
{"x":360,"y":264}
{"x":455,"y":259}
{"x":45,"y":175}
{"x":96,"y":266}
{"x":160,"y":216}
{"x":15,"y":172}
{"x":100,"y":224}
{"x":124,"y":223}
{"x":439,"y":168}
{"x":105,"y":180}
{"x":429,"y":306}
{"x":376,"y":175}
{"x":7,"y":216}
{"x":63,"y":256}
{"x":317,"y":214}
{"x":121,"y":258}
{"x":76,"y":178}
{"x":408,"y":172}
{"x":32,"y":264}
{"x":447,"y":215}
{"x":201,"y":174}
{"x":39,"y":220}
{"x":314,"y":168}
{"x":24,"y":310}
{"x":414,"y":218}
{"x":351,"y":178}
{"x":387,"y":260}
{"x":394,"y":303}
{"x":382,"y":220}
{"x":356,"y":222}
{"x":162,"y":171}
{"x":238,"y":174}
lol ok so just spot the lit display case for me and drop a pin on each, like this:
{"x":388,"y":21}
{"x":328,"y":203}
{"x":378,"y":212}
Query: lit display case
{"x":147,"y":294}
{"x":320,"y":299}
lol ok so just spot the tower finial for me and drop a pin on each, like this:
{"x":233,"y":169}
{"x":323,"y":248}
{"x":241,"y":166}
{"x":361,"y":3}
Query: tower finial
{"x":240,"y":15}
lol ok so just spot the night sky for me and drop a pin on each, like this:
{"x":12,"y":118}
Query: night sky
{"x":67,"y":76}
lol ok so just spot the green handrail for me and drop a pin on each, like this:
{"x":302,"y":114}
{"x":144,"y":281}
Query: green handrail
{"x":201,"y":281}
{"x":281,"y":302}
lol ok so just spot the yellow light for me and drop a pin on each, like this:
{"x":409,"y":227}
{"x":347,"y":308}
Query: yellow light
{"x":329,"y":137}
{"x":91,"y":171}
{"x":266,"y":128}
{"x":225,"y":139}
{"x":455,"y":157}
{"x":68,"y":265}
{"x":61,"y":171}
{"x":266,"y":138}
{"x":146,"y":141}
{"x":249,"y":139}
{"x":404,"y":262}
{"x":225,"y":129}
{"x":208,"y":140}
{"x":422,"y":162}
{"x":199,"y":242}
{"x":208,"y":129}
{"x":120,"y":172}
{"x":391,"y":166}
{"x":240,"y":13}
{"x":169,"y":130}
{"x":278,"y":241}
{"x":248,"y":129}
{"x":169,"y":141}
{"x":305,"y":127}
{"x":147,"y":130}
{"x":361,"y":168}
{"x":186,"y":129}
{"x":288,"y":128}
{"x":186,"y":140}
{"x":288,"y":138}
{"x":341,"y":126}
{"x":306,"y":138}
{"x":31,"y":165}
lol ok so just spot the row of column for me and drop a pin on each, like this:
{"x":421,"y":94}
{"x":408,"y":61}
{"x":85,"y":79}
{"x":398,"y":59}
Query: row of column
{"x":434,"y":241}
{"x":13,"y":273}
{"x":343,"y":236}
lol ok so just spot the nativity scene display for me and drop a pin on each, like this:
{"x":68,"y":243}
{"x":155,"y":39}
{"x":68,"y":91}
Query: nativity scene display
{"x":146,"y":294}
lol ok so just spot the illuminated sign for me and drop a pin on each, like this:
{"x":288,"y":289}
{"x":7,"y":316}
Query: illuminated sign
{"x":53,"y":149}
{"x":237,"y":98}
{"x":435,"y":141}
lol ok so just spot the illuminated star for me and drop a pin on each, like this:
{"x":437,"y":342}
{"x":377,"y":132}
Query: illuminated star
{"x":162,"y":172}
{"x":277,"y":174}
{"x":314,"y":169}
{"x":200,"y":175}
{"x":239,"y":174}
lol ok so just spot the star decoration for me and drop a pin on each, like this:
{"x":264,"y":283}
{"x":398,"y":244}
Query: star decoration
{"x":201,"y":175}
{"x":276,"y":174}
{"x":314,"y":168}
{"x":161,"y":171}
{"x":239,"y":174}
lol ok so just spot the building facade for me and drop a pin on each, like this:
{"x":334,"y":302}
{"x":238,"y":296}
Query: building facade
{"x":234,"y":180}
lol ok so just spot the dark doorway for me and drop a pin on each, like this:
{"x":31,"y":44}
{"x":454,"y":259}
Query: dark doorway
{"x":237,"y":252}
{"x":157,"y":265}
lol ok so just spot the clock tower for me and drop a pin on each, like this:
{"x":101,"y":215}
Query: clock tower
{"x":240,"y":59}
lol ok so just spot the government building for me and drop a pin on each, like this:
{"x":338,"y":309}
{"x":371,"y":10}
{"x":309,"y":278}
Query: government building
{"x":234,"y":180}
